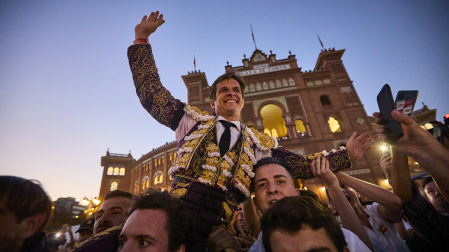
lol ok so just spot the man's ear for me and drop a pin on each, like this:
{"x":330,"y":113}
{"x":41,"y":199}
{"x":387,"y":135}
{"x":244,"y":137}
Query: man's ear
{"x":212,"y":104}
{"x":32,"y":224}
{"x":182,"y":248}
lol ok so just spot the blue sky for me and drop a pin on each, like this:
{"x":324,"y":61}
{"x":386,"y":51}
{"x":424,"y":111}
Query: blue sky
{"x":66,"y":92}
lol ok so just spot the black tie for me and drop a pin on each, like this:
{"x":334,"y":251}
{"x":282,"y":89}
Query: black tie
{"x":225,"y":140}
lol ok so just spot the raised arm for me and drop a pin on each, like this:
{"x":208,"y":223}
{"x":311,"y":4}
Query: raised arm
{"x":390,"y":204}
{"x":155,"y":98}
{"x":422,"y":147}
{"x":338,"y":159}
{"x":349,"y":219}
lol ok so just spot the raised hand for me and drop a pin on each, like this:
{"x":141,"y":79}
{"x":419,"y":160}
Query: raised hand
{"x":320,"y":169}
{"x":357,"y":146}
{"x":149,"y":25}
{"x":415,"y":141}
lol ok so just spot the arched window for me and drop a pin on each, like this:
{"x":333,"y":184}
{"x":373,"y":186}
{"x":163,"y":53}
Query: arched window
{"x":265,"y":85}
{"x":145,"y":182}
{"x":122,"y":172}
{"x":291,"y":82}
{"x":110,"y":170}
{"x":251,"y":88}
{"x":334,"y":125}
{"x":158,"y":178}
{"x":273,"y":119}
{"x":267,"y":131}
{"x":114,"y":186}
{"x":300,"y":128}
{"x":325,"y":100}
{"x":278,"y":84}
{"x":116,"y":171}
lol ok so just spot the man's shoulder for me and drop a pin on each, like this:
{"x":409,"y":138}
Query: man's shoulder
{"x":261,"y":140}
{"x":104,"y":241}
{"x":197,"y":114}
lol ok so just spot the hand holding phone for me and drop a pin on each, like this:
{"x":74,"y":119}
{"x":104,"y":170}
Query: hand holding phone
{"x":393,"y":129}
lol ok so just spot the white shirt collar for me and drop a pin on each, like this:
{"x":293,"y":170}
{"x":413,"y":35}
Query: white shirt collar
{"x":237,"y":123}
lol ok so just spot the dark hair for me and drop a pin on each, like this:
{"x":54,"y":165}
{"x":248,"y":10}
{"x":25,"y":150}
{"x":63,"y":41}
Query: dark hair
{"x":118,"y":193}
{"x":426,"y":181}
{"x":179,"y":222}
{"x":270,"y":160}
{"x":290,"y":213}
{"x":228,"y":75}
{"x":25,"y":198}
{"x":308,"y":193}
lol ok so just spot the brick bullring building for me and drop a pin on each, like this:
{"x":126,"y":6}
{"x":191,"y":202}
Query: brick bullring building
{"x":308,"y":111}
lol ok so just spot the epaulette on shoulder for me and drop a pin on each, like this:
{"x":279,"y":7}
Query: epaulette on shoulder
{"x":197,"y":114}
{"x":96,"y":238}
{"x":263,"y":141}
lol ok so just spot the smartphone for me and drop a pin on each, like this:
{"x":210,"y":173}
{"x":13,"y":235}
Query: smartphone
{"x":393,"y":129}
{"x":405,"y":101}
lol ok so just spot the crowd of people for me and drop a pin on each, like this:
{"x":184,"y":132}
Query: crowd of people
{"x":221,"y":163}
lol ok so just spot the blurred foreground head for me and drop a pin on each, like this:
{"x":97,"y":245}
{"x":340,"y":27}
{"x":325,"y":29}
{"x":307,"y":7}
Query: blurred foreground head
{"x":157,"y":222}
{"x":301,"y":222}
{"x":25,"y":209}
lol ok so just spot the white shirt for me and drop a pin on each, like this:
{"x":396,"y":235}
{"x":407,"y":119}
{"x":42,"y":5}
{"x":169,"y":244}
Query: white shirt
{"x":234,"y":131}
{"x":384,"y":235}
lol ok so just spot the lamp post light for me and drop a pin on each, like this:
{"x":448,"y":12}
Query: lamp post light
{"x":91,"y":205}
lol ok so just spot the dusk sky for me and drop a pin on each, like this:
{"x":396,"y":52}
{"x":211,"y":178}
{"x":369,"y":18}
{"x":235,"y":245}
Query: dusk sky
{"x":66,"y":91}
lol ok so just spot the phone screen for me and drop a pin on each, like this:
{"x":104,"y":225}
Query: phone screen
{"x":405,"y":101}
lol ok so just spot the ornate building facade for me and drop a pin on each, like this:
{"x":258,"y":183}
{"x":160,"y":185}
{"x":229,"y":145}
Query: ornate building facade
{"x":308,"y":111}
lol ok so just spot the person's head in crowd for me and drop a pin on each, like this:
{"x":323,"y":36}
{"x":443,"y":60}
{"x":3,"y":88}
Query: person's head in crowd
{"x":86,"y":230}
{"x":157,"y":222}
{"x":301,"y":224}
{"x":25,"y":209}
{"x":55,"y":240}
{"x":352,"y":195}
{"x":307,"y":193}
{"x":272,"y":181}
{"x":113,"y":211}
{"x":226,"y":96}
{"x":434,"y":195}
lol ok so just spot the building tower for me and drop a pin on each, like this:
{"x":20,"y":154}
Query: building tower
{"x":116,"y":173}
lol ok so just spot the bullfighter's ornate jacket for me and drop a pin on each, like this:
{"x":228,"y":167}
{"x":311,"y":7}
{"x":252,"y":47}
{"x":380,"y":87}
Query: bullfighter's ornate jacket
{"x":198,"y":156}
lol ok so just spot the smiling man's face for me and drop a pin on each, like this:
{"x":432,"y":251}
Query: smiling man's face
{"x":229,"y":101}
{"x":272,"y":182}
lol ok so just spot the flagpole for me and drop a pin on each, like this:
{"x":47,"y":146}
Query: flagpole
{"x":194,"y":62}
{"x":320,"y":41}
{"x":252,"y":33}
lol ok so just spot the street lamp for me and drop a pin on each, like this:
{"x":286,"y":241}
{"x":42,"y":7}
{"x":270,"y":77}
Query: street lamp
{"x":91,"y":204}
